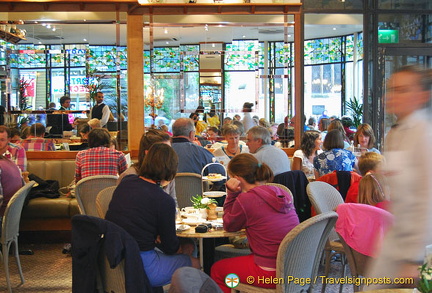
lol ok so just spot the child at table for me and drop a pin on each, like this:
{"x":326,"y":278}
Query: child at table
{"x":266,"y":212}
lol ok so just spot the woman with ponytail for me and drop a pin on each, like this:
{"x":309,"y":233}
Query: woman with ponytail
{"x":266,"y":212}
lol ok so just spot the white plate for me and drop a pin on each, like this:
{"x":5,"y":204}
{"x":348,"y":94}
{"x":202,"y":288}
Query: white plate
{"x":214,"y":193}
{"x":182,"y":227}
{"x":192,"y":222}
{"x":214,"y":179}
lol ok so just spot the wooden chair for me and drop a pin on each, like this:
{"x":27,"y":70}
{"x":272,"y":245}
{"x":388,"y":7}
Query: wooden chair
{"x":299,"y":254}
{"x":186,"y":186}
{"x":326,"y":198}
{"x":10,"y":229}
{"x":103,"y":199}
{"x":87,"y":189}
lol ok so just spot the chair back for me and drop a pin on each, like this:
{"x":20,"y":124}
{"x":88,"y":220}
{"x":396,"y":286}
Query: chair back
{"x":363,"y":226}
{"x":296,"y":181}
{"x":361,"y":229}
{"x":87,"y":189}
{"x":112,"y":279}
{"x":323,"y":196}
{"x":103,"y":199}
{"x":281,"y":187}
{"x":300,"y":251}
{"x":186,"y":186}
{"x":12,"y":215}
{"x":105,"y":255}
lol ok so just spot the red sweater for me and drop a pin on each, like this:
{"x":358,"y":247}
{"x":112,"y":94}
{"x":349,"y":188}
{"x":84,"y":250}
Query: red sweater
{"x":267,"y":213}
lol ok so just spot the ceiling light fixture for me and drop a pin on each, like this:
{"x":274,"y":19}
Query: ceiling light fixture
{"x":206,"y":27}
{"x":85,"y":40}
{"x":165,"y":31}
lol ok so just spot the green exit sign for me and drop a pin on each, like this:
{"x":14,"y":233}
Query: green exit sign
{"x":388,"y":36}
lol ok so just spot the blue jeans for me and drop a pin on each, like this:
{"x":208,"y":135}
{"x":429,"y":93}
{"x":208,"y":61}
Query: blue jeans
{"x":160,"y":267}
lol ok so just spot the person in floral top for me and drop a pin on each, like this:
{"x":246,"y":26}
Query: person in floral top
{"x":335,"y":157}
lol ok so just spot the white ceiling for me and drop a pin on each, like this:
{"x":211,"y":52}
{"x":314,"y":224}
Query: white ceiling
{"x":180,"y":30}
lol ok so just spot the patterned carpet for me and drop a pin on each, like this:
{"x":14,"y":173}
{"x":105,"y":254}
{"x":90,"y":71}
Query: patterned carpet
{"x":48,"y":270}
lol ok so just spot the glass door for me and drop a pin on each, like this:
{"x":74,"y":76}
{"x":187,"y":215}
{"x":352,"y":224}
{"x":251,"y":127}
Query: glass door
{"x":392,"y":59}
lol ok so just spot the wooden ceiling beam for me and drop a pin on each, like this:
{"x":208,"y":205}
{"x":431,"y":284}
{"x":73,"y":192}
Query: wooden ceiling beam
{"x":132,"y":7}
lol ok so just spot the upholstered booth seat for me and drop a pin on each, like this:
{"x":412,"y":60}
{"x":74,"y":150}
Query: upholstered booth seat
{"x":50,"y":214}
{"x":62,"y":207}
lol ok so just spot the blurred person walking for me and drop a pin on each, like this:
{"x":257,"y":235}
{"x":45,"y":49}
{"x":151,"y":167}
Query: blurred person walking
{"x":408,"y":172}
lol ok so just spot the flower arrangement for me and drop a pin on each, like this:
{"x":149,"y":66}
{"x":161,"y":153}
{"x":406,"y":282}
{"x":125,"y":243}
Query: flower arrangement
{"x":200,"y":202}
{"x":425,"y":283}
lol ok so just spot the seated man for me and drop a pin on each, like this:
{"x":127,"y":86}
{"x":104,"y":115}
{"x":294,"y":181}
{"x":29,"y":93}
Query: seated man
{"x":99,"y":159}
{"x":259,"y":143}
{"x":12,"y":151}
{"x":192,"y":158}
{"x":36,"y":141}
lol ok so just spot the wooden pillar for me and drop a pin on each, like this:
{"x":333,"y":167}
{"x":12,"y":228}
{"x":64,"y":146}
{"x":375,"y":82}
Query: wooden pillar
{"x":135,"y":60}
{"x":299,"y":77}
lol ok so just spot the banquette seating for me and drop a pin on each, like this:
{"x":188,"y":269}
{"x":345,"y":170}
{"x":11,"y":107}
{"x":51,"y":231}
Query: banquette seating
{"x":47,"y":214}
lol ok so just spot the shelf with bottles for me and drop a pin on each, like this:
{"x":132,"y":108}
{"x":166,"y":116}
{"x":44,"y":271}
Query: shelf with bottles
{"x":10,"y":33}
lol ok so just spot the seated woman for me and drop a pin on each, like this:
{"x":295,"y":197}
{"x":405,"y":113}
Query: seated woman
{"x":147,"y":140}
{"x":141,"y":207}
{"x":374,"y":190}
{"x":225,"y":153}
{"x":365,"y":138}
{"x":335,"y":157}
{"x":303,"y":158}
{"x":266,"y":212}
{"x":337,"y":124}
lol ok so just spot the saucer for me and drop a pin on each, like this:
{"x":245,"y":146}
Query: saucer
{"x":192,"y":222}
{"x":182,"y":227}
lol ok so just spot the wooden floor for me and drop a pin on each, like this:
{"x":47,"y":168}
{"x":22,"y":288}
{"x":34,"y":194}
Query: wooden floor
{"x":49,"y":270}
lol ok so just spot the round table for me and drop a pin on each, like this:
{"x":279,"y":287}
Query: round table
{"x":207,"y":243}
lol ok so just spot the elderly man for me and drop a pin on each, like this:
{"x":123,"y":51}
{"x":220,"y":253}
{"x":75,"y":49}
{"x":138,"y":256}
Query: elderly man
{"x":36,"y":140}
{"x":192,"y":158}
{"x":259,"y":143}
{"x":12,"y":151}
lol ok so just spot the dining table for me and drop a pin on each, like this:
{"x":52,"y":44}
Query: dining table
{"x":206,"y":243}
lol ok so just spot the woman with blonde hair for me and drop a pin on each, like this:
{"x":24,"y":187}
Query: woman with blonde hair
{"x":266,"y":212}
{"x":373,"y":190}
{"x":365,"y":138}
{"x":225,"y":153}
